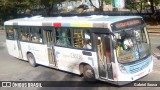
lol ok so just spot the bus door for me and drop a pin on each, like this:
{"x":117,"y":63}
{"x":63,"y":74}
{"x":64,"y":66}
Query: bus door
{"x":19,"y":50}
{"x":50,"y":45}
{"x":13,"y":45}
{"x":104,"y":56}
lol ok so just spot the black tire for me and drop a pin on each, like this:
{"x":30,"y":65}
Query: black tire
{"x":88,"y":73}
{"x":31,"y":60}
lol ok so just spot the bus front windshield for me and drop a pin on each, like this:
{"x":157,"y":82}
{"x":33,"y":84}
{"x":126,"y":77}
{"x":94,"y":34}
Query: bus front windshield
{"x":132,"y":44}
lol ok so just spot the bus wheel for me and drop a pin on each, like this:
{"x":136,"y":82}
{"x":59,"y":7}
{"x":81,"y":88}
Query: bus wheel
{"x":31,"y":60}
{"x":88,"y":73}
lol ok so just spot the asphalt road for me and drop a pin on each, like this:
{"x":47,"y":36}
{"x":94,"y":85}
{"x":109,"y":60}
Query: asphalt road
{"x":13,"y":69}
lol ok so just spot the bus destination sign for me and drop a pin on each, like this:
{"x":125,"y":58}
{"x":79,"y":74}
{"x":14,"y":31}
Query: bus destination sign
{"x":127,"y":23}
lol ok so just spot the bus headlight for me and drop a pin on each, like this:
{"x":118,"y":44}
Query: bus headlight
{"x":122,"y":69}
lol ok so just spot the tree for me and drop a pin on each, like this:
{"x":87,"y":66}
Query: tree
{"x":13,"y":8}
{"x":152,"y":6}
{"x":7,"y":9}
{"x":100,"y":8}
{"x":133,"y":5}
{"x":49,"y":5}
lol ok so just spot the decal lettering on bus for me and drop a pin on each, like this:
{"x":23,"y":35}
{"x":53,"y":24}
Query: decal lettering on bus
{"x":77,"y":56}
{"x":71,"y":55}
{"x":126,"y":58}
{"x":91,"y":59}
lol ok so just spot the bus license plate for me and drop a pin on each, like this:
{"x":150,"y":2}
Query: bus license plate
{"x":139,"y":75}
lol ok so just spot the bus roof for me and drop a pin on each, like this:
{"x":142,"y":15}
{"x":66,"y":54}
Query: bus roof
{"x":74,"y":21}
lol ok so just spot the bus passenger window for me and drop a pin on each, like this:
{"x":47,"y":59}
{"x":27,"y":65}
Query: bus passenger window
{"x":25,"y":37}
{"x":88,"y":44}
{"x":82,"y":39}
{"x":63,"y":37}
{"x":78,"y":38}
{"x":24,"y":34}
{"x":10,"y":33}
{"x":87,"y":40}
{"x":36,"y":35}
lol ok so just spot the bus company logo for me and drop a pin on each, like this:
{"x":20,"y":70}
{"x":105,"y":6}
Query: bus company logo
{"x":6,"y":84}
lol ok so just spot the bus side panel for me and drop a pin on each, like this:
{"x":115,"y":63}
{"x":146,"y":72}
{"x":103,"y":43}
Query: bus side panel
{"x":38,"y":50}
{"x":70,"y":59}
{"x":12,"y":48}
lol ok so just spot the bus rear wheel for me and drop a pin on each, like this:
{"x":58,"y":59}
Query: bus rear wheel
{"x":31,"y":60}
{"x":88,"y":73}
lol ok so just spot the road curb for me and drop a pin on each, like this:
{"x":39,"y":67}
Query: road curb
{"x":156,"y":53}
{"x":157,"y":34}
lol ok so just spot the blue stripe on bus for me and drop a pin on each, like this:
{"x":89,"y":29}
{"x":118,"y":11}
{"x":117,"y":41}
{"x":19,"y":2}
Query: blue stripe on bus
{"x":56,"y":53}
{"x":91,"y":59}
{"x":66,"y":24}
{"x":138,"y":66}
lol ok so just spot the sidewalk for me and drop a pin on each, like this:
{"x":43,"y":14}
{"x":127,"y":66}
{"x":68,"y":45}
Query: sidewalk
{"x":155,"y":52}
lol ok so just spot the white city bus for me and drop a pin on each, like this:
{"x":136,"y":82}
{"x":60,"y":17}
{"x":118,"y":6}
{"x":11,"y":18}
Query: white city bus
{"x":106,"y":48}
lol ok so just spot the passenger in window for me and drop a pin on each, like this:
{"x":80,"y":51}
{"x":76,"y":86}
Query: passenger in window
{"x":63,"y":38}
{"x":35,"y":37}
{"x":24,"y":37}
{"x":40,"y":39}
{"x":124,"y":40}
{"x":88,"y":44}
{"x":27,"y":36}
{"x":128,"y":44}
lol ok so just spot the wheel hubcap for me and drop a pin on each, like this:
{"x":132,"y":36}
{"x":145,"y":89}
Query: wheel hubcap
{"x":89,"y":73}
